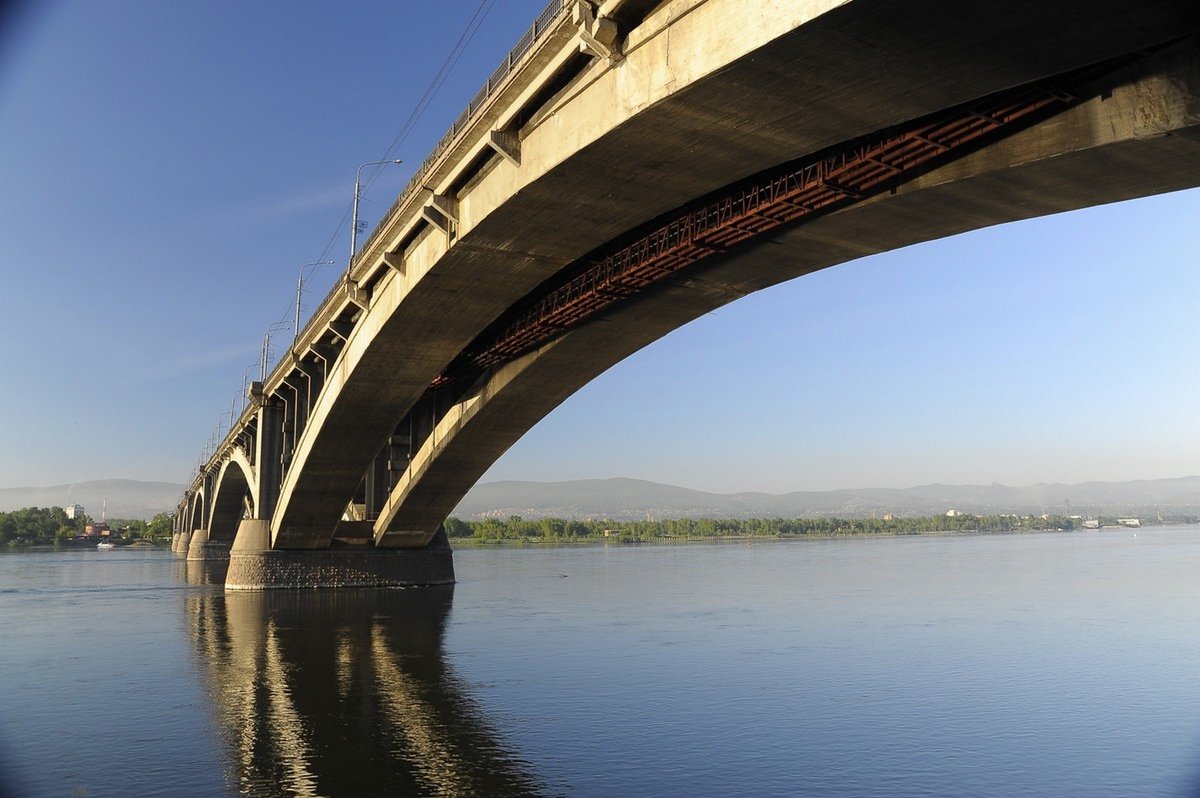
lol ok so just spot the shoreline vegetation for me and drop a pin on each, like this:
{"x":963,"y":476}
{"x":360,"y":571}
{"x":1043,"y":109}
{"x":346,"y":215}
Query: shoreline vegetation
{"x":559,"y":531}
{"x":50,"y":527}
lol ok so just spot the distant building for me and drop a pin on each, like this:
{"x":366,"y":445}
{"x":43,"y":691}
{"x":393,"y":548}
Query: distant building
{"x":74,"y":511}
{"x":952,"y":513}
{"x":96,"y":530}
{"x":1129,"y":521}
{"x":889,"y":517}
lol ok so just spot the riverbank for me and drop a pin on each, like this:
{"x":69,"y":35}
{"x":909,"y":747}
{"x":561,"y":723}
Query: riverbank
{"x":562,"y":531}
{"x":667,"y":541}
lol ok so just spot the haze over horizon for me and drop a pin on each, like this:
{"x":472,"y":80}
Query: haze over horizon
{"x":1053,"y":350}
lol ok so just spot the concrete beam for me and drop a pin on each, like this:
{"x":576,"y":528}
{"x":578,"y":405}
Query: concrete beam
{"x":622,"y":145}
{"x":394,"y":260}
{"x":506,"y":145}
{"x":358,"y":295}
{"x":447,"y":206}
{"x":341,"y":329}
{"x":1139,"y":136}
{"x":597,"y":35}
{"x":436,"y":218}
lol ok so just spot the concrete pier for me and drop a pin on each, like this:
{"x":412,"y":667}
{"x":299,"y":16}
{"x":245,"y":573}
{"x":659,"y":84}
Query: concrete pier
{"x":200,"y":547}
{"x":180,"y":541}
{"x":254,"y":566}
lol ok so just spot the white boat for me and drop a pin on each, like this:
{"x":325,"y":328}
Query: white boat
{"x":104,"y":545}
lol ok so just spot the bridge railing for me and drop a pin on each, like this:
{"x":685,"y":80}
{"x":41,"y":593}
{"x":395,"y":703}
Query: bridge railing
{"x":532,"y":36}
{"x":513,"y":59}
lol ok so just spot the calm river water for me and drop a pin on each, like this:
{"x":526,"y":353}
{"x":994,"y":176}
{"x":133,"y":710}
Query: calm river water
{"x":1016,"y":665}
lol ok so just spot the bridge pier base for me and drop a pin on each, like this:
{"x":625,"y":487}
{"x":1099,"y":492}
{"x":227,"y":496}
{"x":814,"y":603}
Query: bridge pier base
{"x":180,"y":542}
{"x":253,"y":565}
{"x":201,"y":548}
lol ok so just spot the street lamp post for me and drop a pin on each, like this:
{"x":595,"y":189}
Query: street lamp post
{"x":265,"y":355}
{"x":300,"y":290}
{"x":354,"y":216}
{"x":246,"y":383}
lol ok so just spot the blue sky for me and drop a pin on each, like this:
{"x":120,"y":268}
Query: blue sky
{"x":167,"y":167}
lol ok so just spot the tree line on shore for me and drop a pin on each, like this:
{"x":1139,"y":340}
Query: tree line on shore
{"x":515,"y":528}
{"x":48,"y":526}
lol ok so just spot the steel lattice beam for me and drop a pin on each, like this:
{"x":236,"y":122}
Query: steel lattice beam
{"x":827,"y":181}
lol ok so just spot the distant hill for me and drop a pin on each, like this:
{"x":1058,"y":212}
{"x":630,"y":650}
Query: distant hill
{"x":127,"y":498}
{"x":631,"y":499}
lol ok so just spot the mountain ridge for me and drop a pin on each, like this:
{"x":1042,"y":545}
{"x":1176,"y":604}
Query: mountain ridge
{"x":126,"y":498}
{"x":624,"y":498}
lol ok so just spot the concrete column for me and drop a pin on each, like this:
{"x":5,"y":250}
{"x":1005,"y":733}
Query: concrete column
{"x":180,"y":544}
{"x":378,"y":482}
{"x":287,"y":399}
{"x":297,"y":411}
{"x":201,"y":548}
{"x":268,"y":456}
{"x":196,"y":542}
{"x":206,"y":499}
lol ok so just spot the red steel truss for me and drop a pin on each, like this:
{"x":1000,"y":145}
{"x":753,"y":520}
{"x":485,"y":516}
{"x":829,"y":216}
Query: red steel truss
{"x":825,"y":182}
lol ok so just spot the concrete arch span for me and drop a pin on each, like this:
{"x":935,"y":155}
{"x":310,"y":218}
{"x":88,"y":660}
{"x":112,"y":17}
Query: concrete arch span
{"x":234,"y":486}
{"x":196,"y":511}
{"x":1139,"y":136}
{"x":619,"y":144}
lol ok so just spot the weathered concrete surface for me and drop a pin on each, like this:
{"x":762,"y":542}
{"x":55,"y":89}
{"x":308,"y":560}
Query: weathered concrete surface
{"x":202,"y":547}
{"x":254,"y":566}
{"x":180,"y":542}
{"x":1142,"y":138}
{"x":708,"y":92}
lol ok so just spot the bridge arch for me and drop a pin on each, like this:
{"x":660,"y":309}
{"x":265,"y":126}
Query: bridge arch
{"x":618,"y":140}
{"x":680,"y":101}
{"x":196,"y":511}
{"x":1064,"y":163}
{"x":234,"y":490}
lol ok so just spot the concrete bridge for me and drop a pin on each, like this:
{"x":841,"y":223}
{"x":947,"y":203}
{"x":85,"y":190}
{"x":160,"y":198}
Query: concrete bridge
{"x":633,"y":165}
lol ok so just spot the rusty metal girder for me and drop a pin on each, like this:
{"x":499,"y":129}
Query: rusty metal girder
{"x":830,"y":180}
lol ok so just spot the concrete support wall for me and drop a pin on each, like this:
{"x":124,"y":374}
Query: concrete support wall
{"x":202,"y":547}
{"x":254,"y":566}
{"x":180,"y":541}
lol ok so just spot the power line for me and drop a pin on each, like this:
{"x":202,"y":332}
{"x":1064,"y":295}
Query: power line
{"x":435,"y":84}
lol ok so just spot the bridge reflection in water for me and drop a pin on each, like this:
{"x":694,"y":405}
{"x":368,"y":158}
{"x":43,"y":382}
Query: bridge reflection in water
{"x":345,"y":693}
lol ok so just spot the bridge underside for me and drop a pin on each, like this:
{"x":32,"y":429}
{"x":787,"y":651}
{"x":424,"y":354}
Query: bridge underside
{"x":1140,"y":135}
{"x":700,"y":167}
{"x":619,"y":145}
